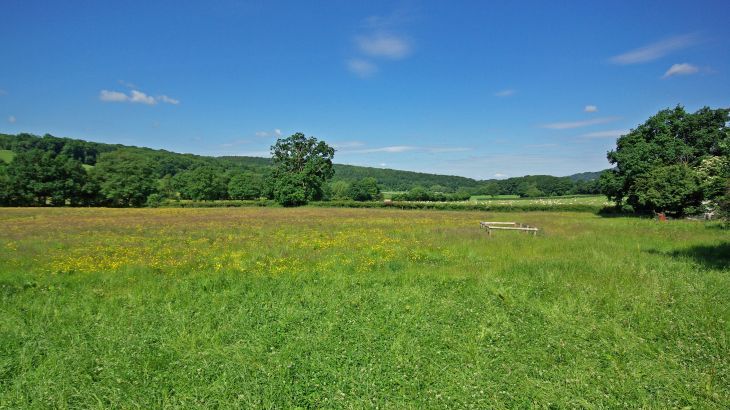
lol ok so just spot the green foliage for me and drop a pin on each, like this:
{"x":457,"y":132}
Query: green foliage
{"x":339,"y":190}
{"x":301,"y":168}
{"x":125,"y":177}
{"x":291,"y":190}
{"x":365,"y":189}
{"x":42,"y":178}
{"x":422,"y":194}
{"x":6,"y":155}
{"x":674,"y":189}
{"x":204,"y":183}
{"x":245,"y":185}
{"x":172,"y":176}
{"x":670,"y":144}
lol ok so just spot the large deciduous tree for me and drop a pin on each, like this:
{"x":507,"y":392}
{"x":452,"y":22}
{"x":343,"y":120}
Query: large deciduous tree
{"x":125,"y":177}
{"x":660,"y":165}
{"x":301,"y":167}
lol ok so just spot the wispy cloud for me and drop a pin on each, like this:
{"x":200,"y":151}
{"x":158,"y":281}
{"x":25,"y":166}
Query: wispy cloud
{"x":656,"y":50}
{"x":265,"y":134}
{"x":12,"y":119}
{"x":112,"y":96}
{"x":500,"y":175}
{"x":168,"y":100}
{"x":348,"y":144}
{"x":590,"y":108}
{"x":3,"y":92}
{"x":381,"y":38}
{"x":384,"y":45}
{"x":681,"y":69}
{"x":505,"y":93}
{"x":409,"y":148}
{"x":135,"y":97}
{"x":235,"y":143}
{"x":128,"y":84}
{"x":578,"y":124}
{"x":540,"y":145}
{"x":361,"y":68}
{"x":606,"y":134}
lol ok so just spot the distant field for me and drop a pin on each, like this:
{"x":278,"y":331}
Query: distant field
{"x":6,"y":155}
{"x":599,"y":200}
{"x":492,"y":197}
{"x":359,"y":308}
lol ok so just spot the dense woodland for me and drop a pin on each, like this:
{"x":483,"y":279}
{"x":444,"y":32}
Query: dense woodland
{"x":48,"y":170}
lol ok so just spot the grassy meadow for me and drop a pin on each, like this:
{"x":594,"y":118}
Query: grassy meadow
{"x":6,"y":155}
{"x":354,"y":308}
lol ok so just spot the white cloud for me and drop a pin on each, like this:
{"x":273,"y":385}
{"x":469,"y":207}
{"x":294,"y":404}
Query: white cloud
{"x":606,"y":134}
{"x":681,"y":69}
{"x":590,"y":108}
{"x":500,"y":175}
{"x":384,"y":45}
{"x":11,"y":119}
{"x":655,"y":50}
{"x":112,"y":96}
{"x":142,"y":98}
{"x":348,"y":144}
{"x":382,"y":164}
{"x":168,"y":100}
{"x":578,"y":124}
{"x":394,"y":149}
{"x":361,"y":68}
{"x":505,"y":93}
{"x":264,"y":134}
{"x":128,"y":84}
{"x":235,"y":143}
{"x":540,"y":145}
{"x":135,"y":96}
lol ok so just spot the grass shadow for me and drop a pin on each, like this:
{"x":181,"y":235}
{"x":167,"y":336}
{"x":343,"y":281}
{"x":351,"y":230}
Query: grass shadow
{"x":710,"y":256}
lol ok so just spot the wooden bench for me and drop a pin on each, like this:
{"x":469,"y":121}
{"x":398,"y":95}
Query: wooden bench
{"x":515,"y":226}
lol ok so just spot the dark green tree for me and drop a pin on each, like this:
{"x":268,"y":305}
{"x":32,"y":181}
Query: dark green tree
{"x":38,"y":177}
{"x":245,"y":185}
{"x":671,"y":144}
{"x":125,"y":177}
{"x":365,"y":189}
{"x":301,"y":168}
{"x":206,"y":183}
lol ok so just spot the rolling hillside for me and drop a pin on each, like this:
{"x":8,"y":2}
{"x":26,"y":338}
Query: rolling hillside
{"x":390,"y":179}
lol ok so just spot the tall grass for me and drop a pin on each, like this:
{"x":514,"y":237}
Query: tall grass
{"x":310,"y":308}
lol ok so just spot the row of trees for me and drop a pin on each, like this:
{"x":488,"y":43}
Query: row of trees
{"x":676,"y":162}
{"x":138,"y":177}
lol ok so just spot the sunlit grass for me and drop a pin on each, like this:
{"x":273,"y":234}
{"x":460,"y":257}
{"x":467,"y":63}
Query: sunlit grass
{"x":273,"y":307}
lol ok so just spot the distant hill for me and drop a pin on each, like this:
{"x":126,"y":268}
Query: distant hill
{"x":586,"y":176}
{"x":171,"y":162}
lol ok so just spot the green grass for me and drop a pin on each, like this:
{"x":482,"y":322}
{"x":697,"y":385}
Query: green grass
{"x":6,"y":155}
{"x":354,"y":308}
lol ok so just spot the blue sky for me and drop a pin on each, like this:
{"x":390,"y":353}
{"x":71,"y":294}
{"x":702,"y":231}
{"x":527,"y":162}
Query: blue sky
{"x":479,"y":89}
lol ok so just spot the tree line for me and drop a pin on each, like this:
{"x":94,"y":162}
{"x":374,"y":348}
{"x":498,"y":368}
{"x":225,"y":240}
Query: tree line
{"x":52,"y":171}
{"x":676,"y":162}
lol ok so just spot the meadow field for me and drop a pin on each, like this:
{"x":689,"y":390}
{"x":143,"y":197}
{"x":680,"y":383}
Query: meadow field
{"x":358,"y":308}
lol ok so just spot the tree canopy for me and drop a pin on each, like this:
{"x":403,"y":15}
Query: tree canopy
{"x":661,"y":163}
{"x":301,"y":167}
